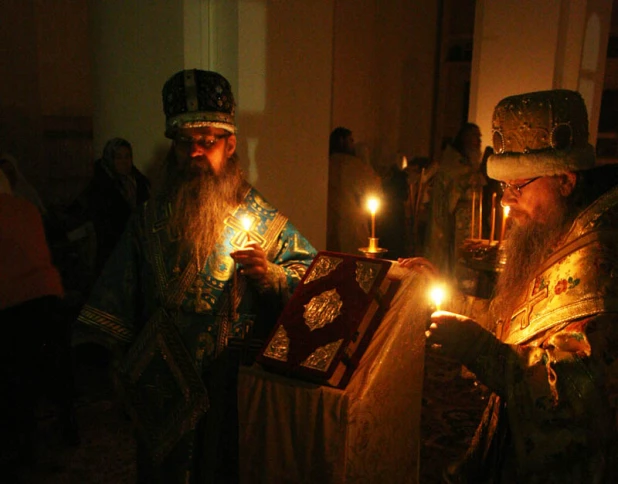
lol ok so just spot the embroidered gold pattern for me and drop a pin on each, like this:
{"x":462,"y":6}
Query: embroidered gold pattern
{"x":279,"y":346}
{"x":322,"y":267}
{"x":566,"y":291}
{"x":201,"y":305}
{"x":107,"y":323}
{"x":366,"y":274}
{"x":174,"y":384}
{"x":322,"y":309}
{"x":323,"y":356}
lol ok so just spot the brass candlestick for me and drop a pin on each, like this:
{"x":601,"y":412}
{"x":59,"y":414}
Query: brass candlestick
{"x":373,"y":251}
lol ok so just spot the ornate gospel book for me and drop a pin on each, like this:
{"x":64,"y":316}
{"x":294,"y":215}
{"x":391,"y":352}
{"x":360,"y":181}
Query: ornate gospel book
{"x":328,"y":323}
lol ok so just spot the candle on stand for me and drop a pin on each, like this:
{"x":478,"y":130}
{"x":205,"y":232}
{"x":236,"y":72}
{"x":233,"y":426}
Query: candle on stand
{"x":473,"y":211}
{"x":505,"y":214}
{"x":372,"y":205}
{"x":481,"y":213}
{"x":493,"y":218}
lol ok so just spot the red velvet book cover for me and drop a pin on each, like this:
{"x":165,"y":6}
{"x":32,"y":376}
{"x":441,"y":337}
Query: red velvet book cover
{"x":330,"y":319}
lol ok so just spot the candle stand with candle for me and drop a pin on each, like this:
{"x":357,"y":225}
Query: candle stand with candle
{"x":373,"y":251}
{"x":485,"y":256}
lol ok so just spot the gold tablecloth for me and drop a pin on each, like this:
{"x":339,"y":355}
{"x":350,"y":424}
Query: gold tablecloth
{"x":297,"y":432}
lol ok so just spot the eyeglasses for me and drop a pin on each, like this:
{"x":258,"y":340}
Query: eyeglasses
{"x":206,"y":142}
{"x":516,"y":188}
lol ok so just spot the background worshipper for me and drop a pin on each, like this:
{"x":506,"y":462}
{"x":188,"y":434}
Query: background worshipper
{"x":393,"y":233}
{"x":350,"y":182}
{"x":173,"y":276}
{"x":116,"y":189}
{"x":30,"y":291}
{"x":455,"y":178}
{"x":547,"y":346}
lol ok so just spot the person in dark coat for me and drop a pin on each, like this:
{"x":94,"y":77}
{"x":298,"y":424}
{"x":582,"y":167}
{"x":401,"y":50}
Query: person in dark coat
{"x":117,"y":187}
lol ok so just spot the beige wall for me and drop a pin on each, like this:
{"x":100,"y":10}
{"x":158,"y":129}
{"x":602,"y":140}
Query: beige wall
{"x":526,"y":45}
{"x":383,"y":74}
{"x":137,"y":45}
{"x":63,"y":47}
{"x":285,"y":55}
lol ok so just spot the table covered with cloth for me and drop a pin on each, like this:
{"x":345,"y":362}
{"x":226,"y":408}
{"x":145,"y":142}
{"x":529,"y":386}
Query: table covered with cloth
{"x":292,"y":431}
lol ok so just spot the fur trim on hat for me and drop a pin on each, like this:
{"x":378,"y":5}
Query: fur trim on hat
{"x":521,"y":166}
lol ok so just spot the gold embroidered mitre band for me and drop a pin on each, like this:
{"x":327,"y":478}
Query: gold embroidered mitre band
{"x":580,"y":279}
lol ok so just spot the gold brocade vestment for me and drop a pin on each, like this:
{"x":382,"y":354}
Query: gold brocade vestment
{"x":577,"y":280}
{"x":554,"y":369}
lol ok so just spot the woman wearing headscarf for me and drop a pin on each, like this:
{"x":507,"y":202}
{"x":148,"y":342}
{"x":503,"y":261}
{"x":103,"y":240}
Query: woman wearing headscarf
{"x":117,"y":187}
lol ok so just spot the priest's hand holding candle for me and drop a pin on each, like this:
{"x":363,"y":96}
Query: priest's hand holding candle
{"x":253,"y":262}
{"x":457,"y":336}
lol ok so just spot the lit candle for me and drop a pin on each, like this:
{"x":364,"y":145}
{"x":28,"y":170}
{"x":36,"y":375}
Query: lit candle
{"x":493,"y":218}
{"x":246,"y":223}
{"x":481,"y":214}
{"x":372,"y":205}
{"x":505,"y":214}
{"x":437,"y":295}
{"x":473,"y":212}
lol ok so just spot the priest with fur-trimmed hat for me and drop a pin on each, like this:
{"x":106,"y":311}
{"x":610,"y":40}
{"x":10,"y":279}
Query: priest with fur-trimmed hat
{"x":203,"y":269}
{"x":547,"y":345}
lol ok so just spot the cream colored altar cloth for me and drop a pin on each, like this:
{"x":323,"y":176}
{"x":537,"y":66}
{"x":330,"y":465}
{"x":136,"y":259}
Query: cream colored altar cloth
{"x":296,"y":432}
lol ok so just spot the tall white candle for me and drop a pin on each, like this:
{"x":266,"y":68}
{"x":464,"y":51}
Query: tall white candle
{"x":493,"y":218}
{"x":473,"y":212}
{"x":372,"y":205}
{"x":481,"y":213}
{"x":505,"y":214}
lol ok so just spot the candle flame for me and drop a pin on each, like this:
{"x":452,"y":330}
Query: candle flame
{"x":437,"y":295}
{"x":507,"y":209}
{"x":373,"y":204}
{"x":246,"y":222}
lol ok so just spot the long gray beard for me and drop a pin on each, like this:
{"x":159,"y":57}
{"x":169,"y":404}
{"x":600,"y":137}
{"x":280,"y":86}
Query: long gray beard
{"x":526,"y":248}
{"x":200,"y":203}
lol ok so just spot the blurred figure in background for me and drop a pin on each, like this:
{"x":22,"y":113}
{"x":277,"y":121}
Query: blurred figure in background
{"x":393,"y":233}
{"x":350,"y":182}
{"x":457,"y":176}
{"x":116,"y":188}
